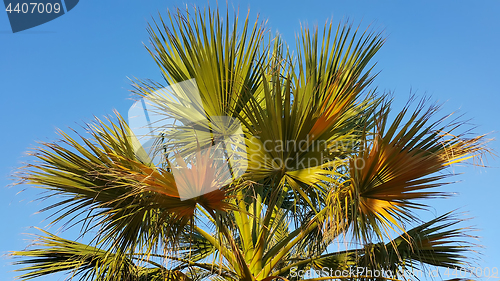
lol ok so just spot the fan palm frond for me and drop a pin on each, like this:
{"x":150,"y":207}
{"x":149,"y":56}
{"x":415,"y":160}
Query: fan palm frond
{"x":135,"y":203}
{"x":400,"y":165}
{"x":54,"y":254}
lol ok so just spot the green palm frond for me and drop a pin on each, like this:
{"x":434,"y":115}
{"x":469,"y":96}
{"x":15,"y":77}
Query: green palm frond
{"x":299,"y":127}
{"x":195,"y":247}
{"x":134,"y":203}
{"x":398,"y":166}
{"x":214,"y":50}
{"x":54,"y":254}
{"x":437,"y":242}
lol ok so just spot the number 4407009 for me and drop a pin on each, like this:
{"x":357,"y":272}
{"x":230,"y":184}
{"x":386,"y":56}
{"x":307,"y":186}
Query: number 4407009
{"x":34,"y":8}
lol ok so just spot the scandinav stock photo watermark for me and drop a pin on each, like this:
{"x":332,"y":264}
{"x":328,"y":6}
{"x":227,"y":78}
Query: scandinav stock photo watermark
{"x":364,"y":272}
{"x":24,"y":15}
{"x":171,"y":128}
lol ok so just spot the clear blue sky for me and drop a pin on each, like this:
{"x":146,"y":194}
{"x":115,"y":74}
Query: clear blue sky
{"x":75,"y":67}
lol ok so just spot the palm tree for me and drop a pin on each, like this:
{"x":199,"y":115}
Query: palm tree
{"x":322,"y":161}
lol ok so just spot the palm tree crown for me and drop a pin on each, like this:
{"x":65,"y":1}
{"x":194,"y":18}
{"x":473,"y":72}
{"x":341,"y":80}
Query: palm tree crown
{"x":273,"y":159}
